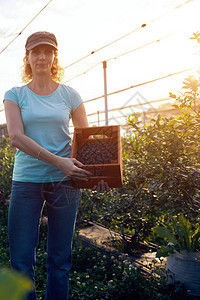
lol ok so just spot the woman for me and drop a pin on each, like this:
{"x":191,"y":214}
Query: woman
{"x":37,"y":117}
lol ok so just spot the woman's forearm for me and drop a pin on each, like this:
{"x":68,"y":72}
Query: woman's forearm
{"x":30,"y":147}
{"x":69,"y":166}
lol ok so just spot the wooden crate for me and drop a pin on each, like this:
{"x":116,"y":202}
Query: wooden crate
{"x":108,"y":139}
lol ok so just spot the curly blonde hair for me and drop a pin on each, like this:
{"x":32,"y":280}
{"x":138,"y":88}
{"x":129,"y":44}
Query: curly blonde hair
{"x":57,"y":72}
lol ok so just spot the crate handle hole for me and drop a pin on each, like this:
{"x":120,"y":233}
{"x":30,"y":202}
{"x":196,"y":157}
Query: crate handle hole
{"x":98,"y":136}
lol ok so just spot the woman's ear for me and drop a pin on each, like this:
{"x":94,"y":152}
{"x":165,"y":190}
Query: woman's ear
{"x":27,"y":60}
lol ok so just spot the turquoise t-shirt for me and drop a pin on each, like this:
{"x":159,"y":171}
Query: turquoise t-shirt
{"x":46,"y":121}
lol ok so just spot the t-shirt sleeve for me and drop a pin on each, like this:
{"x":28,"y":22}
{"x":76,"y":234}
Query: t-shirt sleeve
{"x":11,"y":95}
{"x":75,"y":99}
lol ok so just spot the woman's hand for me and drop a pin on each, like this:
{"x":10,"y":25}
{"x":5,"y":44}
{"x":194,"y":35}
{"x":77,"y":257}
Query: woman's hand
{"x":72,"y":168}
{"x":102,"y":186}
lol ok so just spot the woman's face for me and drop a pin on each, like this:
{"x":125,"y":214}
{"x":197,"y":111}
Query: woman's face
{"x":41,"y":59}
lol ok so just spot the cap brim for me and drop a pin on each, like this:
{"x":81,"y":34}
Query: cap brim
{"x":41,"y":43}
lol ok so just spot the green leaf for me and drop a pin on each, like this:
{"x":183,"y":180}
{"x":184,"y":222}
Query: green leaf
{"x":164,"y":251}
{"x":175,"y":105}
{"x":165,"y":233}
{"x":185,"y":229}
{"x":171,"y":95}
{"x":13,"y":285}
{"x":195,"y":239}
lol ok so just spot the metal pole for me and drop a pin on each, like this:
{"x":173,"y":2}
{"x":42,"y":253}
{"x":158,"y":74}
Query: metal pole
{"x":98,"y":116}
{"x":105,"y":92}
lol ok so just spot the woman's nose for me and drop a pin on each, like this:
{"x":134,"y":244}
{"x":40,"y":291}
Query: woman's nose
{"x":42,"y":55}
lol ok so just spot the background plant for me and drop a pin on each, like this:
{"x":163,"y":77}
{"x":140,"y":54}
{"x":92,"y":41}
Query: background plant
{"x":7,"y":153}
{"x":161,"y":169}
{"x":180,"y":234}
{"x":98,"y":275}
{"x":13,"y":285}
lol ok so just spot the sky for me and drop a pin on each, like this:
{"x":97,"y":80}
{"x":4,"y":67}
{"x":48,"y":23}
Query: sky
{"x":160,"y":48}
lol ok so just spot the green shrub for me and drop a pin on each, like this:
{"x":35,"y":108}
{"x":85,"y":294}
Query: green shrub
{"x":163,"y":159}
{"x":180,"y":234}
{"x":7,"y":153}
{"x":161,"y":170}
{"x":13,"y":285}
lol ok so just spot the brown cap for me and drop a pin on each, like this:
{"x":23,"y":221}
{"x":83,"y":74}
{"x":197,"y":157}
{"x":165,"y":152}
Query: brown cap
{"x":41,"y":38}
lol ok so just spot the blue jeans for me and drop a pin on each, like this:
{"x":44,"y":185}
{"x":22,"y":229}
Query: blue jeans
{"x":27,"y":201}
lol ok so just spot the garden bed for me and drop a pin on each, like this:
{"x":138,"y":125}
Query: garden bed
{"x":94,"y":235}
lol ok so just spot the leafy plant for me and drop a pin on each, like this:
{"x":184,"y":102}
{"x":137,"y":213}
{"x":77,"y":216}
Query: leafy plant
{"x":163,"y":158}
{"x":13,"y":285}
{"x":7,"y":153}
{"x":181,"y":234}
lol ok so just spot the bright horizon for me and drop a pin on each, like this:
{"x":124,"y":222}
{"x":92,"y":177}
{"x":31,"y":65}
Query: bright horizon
{"x":84,"y":26}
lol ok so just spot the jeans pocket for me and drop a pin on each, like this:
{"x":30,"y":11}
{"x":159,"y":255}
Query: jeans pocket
{"x":63,"y":195}
{"x":71,"y":195}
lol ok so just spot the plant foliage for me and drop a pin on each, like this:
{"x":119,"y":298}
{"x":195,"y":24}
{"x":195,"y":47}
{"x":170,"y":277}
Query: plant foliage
{"x":180,"y":234}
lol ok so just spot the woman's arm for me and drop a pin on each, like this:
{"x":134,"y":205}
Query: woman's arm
{"x":79,"y":117}
{"x":69,"y":166}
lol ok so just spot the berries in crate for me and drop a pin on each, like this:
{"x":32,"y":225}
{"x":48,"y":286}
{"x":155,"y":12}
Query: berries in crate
{"x":99,"y":150}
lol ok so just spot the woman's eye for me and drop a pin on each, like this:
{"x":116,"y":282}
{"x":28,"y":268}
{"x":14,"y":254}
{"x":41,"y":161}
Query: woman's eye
{"x":35,"y":51}
{"x":48,"y":51}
